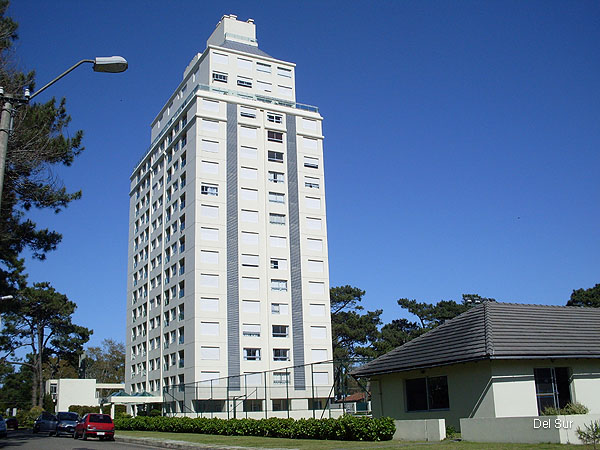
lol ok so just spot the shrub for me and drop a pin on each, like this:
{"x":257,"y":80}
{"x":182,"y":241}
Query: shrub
{"x":84,"y":409}
{"x":26,"y":418}
{"x":347,"y":428}
{"x":569,"y":409}
{"x":451,"y":432}
{"x":591,"y":434}
{"x":155,"y":413}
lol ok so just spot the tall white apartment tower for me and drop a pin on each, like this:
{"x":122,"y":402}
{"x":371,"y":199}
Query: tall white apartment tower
{"x":227,"y":263}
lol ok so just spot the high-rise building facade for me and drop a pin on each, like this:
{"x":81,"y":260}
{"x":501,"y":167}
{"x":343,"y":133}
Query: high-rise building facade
{"x":227,"y":263}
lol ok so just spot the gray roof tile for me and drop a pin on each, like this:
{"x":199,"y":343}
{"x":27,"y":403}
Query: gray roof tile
{"x":495,"y":330}
{"x":232,"y":45}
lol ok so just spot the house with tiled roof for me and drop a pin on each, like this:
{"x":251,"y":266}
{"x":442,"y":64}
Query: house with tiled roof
{"x":494,"y":360}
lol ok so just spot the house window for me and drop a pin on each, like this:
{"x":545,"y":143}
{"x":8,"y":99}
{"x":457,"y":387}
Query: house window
{"x":252,"y":354}
{"x":220,"y":77}
{"x":253,"y":405}
{"x":276,"y":197}
{"x":552,"y":387}
{"x":275,"y":156}
{"x":275,"y":118}
{"x":281,"y":354}
{"x":274,"y":136}
{"x":425,"y":394}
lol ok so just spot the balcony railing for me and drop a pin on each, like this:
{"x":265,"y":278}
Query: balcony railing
{"x":207,"y":88}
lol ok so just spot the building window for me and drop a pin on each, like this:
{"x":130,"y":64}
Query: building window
{"x":218,"y":76}
{"x":275,"y":156}
{"x":209,"y":189}
{"x":252,"y":330}
{"x":274,"y":136}
{"x":282,"y":71}
{"x":277,"y":263}
{"x":244,"y":82}
{"x":252,"y":354}
{"x":249,"y":260}
{"x":274,"y":118}
{"x":281,"y":377}
{"x":281,"y":354}
{"x":279,"y":308}
{"x":262,"y":67}
{"x":279,"y":285}
{"x":277,"y":219}
{"x":276,"y":197}
{"x":276,"y":177}
{"x":280,"y":404}
{"x":311,"y":162}
{"x":253,"y":405}
{"x":311,"y":183}
{"x":247,"y":112}
{"x":280,"y":330}
{"x":552,"y":388}
{"x":425,"y":394}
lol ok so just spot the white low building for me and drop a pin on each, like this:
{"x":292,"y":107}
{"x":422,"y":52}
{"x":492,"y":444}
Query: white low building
{"x":73,"y":391}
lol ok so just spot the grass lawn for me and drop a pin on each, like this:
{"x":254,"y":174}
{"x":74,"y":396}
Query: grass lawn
{"x":262,"y":442}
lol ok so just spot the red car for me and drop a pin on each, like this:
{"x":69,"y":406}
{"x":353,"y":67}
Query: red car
{"x":95,"y":425}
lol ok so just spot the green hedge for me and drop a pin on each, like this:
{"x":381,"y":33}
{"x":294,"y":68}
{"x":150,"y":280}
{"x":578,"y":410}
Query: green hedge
{"x":346,"y":428}
{"x":84,"y":409}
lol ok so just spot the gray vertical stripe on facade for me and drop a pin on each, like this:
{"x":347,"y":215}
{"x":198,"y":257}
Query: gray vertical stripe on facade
{"x":295,"y":260}
{"x":233,"y":296}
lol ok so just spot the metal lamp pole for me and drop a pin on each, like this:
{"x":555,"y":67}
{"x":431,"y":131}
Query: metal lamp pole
{"x":108,"y":64}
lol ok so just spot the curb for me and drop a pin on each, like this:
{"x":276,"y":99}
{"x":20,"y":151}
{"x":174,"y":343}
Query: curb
{"x":169,"y":443}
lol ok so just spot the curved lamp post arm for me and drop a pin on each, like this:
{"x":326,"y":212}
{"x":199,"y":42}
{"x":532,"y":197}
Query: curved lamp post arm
{"x":61,"y":75}
{"x":110,"y":64}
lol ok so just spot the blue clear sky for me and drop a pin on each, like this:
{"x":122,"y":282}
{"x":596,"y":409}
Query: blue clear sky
{"x":461,"y":138}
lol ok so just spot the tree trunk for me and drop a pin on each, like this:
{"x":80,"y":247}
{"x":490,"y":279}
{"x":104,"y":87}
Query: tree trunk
{"x":40,"y":379}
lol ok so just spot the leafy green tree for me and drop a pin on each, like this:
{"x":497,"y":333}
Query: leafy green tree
{"x":42,"y":324}
{"x":106,"y":363}
{"x":432,"y":315}
{"x":353,"y":330}
{"x":37,"y":144}
{"x":16,"y":386}
{"x":586,"y":297}
{"x":394,"y":334}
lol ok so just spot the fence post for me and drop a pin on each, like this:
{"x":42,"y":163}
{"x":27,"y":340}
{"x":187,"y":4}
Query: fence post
{"x":287,"y":391}
{"x":227,"y":398}
{"x":266,"y":414}
{"x":312,"y":382}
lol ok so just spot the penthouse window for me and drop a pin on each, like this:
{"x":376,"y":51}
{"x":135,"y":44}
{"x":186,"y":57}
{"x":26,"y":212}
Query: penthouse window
{"x":220,"y":77}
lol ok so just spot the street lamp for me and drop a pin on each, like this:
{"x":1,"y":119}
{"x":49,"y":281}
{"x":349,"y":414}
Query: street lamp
{"x":107,"y":64}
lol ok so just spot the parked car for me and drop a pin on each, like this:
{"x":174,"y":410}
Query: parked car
{"x":3,"y":431}
{"x":66,"y":423}
{"x":45,"y":423}
{"x":95,"y":425}
{"x":12,"y":423}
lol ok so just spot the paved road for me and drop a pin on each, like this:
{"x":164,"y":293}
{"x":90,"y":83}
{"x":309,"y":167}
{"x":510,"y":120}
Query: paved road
{"x":25,"y":440}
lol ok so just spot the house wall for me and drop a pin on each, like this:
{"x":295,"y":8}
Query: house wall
{"x":467,"y":387}
{"x":585,"y":387}
{"x":486,"y":389}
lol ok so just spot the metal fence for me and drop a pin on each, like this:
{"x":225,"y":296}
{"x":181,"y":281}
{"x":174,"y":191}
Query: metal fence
{"x":323,"y":389}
